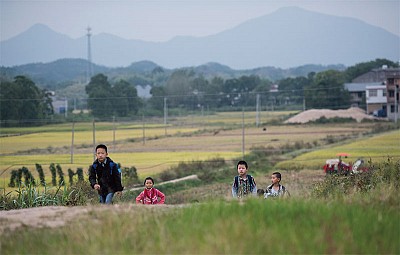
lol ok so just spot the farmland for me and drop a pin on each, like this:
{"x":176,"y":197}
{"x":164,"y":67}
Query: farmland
{"x":153,"y":148}
{"x":208,"y":219}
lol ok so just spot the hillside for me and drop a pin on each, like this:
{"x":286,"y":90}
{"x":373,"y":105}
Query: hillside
{"x":286,"y":38}
{"x":61,"y":71}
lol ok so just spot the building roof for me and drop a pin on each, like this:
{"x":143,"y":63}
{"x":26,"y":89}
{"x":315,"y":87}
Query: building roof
{"x":360,"y":87}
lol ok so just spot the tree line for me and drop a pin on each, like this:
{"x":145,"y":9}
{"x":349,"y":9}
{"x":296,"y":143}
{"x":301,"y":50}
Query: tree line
{"x":22,"y":101}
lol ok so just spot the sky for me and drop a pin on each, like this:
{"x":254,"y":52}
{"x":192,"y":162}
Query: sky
{"x":162,"y":20}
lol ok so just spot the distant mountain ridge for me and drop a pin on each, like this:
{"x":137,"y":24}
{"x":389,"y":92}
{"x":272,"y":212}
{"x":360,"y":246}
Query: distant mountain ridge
{"x":286,"y":38}
{"x":75,"y":71}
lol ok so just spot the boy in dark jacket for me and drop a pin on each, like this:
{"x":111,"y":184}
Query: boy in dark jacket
{"x":104,"y":176}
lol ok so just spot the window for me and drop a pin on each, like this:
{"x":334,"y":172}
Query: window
{"x":384,"y":92}
{"x":373,"y":92}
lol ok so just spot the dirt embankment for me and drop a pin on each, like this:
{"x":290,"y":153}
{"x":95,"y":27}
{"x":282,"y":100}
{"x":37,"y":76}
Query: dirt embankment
{"x":314,"y":114}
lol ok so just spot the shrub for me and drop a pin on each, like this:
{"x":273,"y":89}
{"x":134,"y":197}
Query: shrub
{"x":385,"y":176}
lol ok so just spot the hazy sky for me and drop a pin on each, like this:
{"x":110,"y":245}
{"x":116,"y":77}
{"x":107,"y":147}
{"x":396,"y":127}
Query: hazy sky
{"x":164,"y":19}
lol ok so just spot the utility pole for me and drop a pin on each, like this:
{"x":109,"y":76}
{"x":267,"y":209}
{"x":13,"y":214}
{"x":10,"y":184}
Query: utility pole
{"x":94,"y":138}
{"x":114,"y":134}
{"x":396,"y":107}
{"x":72,"y":142}
{"x":89,"y":56}
{"x":66,"y":107}
{"x":243,"y":147}
{"x":143,"y":130}
{"x":165,"y":114}
{"x":258,"y":110}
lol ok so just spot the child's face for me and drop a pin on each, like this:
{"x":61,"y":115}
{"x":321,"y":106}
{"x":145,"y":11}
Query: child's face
{"x":101,"y":154}
{"x":274,"y":179}
{"x":148,"y":184}
{"x":242,"y":170}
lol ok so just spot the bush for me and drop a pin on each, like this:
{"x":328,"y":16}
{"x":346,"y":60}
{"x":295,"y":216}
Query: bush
{"x":383,"y":176}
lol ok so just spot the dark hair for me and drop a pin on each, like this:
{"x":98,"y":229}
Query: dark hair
{"x":278,"y":175}
{"x":148,"y":178}
{"x":102,"y":146}
{"x":242,"y":162}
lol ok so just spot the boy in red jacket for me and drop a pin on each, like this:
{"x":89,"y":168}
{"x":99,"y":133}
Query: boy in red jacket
{"x":150,"y":195}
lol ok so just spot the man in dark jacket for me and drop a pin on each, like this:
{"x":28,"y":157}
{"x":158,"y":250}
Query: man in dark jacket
{"x":104,"y":176}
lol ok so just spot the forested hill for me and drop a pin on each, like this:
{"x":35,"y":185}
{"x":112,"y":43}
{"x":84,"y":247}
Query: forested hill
{"x":67,"y":71}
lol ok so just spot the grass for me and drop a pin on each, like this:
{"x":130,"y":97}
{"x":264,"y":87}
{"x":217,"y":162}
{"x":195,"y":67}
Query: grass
{"x":147,"y":163}
{"x":355,"y":223}
{"x":251,"y":227}
{"x":378,"y":148}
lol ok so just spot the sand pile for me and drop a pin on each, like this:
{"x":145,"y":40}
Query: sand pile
{"x":314,"y":114}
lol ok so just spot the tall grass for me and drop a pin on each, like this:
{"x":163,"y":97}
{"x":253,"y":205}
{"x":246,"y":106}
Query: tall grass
{"x":380,"y":185}
{"x":255,"y":226}
{"x":30,"y":195}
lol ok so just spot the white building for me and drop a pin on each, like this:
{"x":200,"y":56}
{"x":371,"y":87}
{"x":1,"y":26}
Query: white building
{"x":376,"y":98}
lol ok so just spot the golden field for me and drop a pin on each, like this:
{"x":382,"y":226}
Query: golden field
{"x":377,"y":148}
{"x":151,"y":147}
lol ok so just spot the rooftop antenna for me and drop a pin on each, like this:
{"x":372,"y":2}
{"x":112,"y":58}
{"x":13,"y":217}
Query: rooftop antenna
{"x":89,"y":56}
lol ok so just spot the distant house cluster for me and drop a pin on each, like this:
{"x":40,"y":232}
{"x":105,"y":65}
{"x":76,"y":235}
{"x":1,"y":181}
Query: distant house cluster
{"x":377,"y":91}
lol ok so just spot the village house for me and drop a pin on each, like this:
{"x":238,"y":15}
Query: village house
{"x":377,"y":91}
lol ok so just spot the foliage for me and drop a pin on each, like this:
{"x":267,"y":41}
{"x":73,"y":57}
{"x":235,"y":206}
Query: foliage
{"x":106,"y":100}
{"x":60,"y":175}
{"x":39,"y":169}
{"x":16,"y":177}
{"x":202,"y":168}
{"x":71,"y":176}
{"x":324,"y":120}
{"x":53,"y":174}
{"x":129,"y":176}
{"x":383,"y":175}
{"x":326,"y":91}
{"x":293,"y":89}
{"x":23,"y":103}
{"x":79,"y":173}
{"x":30,"y":195}
{"x":362,"y":68}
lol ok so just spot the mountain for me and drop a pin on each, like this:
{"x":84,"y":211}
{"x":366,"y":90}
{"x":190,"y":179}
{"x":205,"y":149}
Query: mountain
{"x":286,"y":38}
{"x":64,"y":72}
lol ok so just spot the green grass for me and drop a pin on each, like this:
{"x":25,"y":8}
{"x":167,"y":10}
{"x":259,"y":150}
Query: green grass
{"x":252,"y":227}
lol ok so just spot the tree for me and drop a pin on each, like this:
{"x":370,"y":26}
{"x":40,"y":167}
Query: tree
{"x":178,"y":88}
{"x":21,"y":101}
{"x":100,"y":96}
{"x":291,"y":90}
{"x":157,"y":98}
{"x":327,"y":91}
{"x":362,"y":68}
{"x":126,"y":100}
